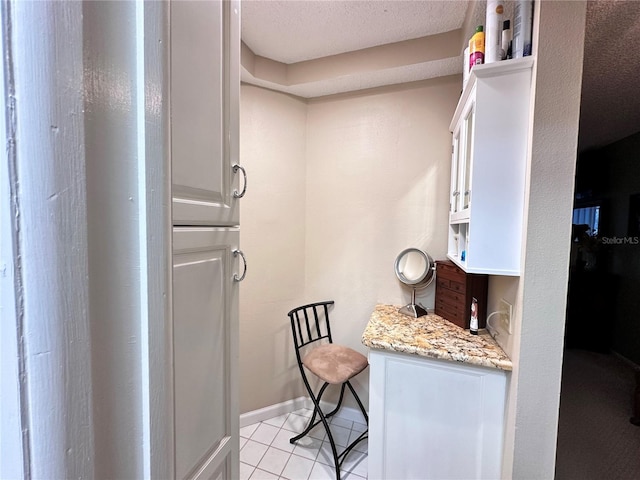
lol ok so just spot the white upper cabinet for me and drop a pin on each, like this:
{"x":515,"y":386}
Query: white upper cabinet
{"x":489,"y":157}
{"x":204,"y":97}
{"x":461,"y":164}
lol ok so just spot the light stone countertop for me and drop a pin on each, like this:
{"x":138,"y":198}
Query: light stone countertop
{"x":431,"y":336}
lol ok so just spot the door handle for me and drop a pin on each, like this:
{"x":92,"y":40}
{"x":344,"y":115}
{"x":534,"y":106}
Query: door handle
{"x":237,"y":194}
{"x":236,"y":278}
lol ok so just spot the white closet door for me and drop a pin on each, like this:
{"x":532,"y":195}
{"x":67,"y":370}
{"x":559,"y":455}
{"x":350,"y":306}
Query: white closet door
{"x":205,"y":351}
{"x":204,"y":98}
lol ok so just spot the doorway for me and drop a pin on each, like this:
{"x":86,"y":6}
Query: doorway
{"x":595,"y":436}
{"x":602,"y":337}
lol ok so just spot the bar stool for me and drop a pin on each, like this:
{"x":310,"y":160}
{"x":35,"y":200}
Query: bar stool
{"x":331,"y":363}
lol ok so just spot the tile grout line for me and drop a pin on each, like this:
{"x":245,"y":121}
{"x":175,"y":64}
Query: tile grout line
{"x":276,"y":448}
{"x":313,"y":461}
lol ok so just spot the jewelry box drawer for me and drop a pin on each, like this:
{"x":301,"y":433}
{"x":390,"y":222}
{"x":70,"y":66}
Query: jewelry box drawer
{"x":454,"y":290}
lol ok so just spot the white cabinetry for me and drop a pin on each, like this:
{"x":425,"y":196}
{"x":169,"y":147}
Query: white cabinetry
{"x":204,"y":105}
{"x":489,"y":156}
{"x":434,"y":419}
{"x":205,"y":312}
{"x":205,"y":86}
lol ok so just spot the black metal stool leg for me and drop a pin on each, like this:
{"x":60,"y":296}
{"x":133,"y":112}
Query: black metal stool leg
{"x":312,"y":422}
{"x":335,"y":410}
{"x":317,"y":410}
{"x":364,"y":435}
{"x":329,"y":436}
{"x":353,"y":392}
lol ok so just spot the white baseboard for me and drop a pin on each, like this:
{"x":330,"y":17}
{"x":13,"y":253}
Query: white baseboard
{"x":348,"y":413}
{"x":262,"y":414}
{"x":271,"y":411}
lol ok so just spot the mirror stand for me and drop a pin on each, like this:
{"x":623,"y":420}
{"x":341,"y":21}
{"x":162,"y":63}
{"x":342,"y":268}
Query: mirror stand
{"x":415,"y":269}
{"x":412,"y":309}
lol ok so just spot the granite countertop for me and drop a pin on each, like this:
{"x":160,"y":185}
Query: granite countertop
{"x":431,"y":336}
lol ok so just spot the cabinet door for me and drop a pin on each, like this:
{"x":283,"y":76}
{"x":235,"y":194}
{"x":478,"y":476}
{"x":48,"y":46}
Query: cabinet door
{"x":204,"y":100}
{"x":455,"y":412}
{"x":462,"y":161}
{"x":454,"y":203}
{"x":205,"y":350}
{"x":465,"y":172}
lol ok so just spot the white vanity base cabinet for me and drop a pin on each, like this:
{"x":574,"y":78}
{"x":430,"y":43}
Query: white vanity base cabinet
{"x":434,"y":419}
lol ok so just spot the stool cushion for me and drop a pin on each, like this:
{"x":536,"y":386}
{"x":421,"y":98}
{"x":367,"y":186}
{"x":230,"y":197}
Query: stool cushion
{"x":335,"y":364}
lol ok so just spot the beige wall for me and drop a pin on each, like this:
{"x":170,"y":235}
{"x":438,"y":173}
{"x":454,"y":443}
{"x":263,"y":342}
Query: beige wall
{"x":365,"y":176}
{"x":377,"y":183}
{"x":272,"y":149}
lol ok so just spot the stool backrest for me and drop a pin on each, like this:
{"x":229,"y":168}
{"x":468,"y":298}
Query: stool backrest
{"x":310,"y":323}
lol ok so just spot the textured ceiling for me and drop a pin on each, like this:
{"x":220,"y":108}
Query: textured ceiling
{"x":294,"y":31}
{"x":610,"y":107}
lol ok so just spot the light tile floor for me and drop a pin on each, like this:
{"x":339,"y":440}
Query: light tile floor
{"x":265,"y":451}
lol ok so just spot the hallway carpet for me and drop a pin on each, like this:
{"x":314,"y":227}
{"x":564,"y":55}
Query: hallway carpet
{"x":595,"y":439}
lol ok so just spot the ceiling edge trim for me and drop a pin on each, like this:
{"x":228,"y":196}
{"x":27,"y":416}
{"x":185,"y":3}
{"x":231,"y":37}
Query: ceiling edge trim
{"x":396,"y":87}
{"x":369,"y":60}
{"x":362,"y":81}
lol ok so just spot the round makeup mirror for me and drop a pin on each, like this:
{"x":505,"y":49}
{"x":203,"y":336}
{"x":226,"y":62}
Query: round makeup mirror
{"x":415,"y":269}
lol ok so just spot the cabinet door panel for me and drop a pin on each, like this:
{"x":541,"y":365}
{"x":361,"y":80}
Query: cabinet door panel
{"x":468,"y":158}
{"x":456,"y":414}
{"x":204,"y":349}
{"x":455,"y":155}
{"x":204,"y":111}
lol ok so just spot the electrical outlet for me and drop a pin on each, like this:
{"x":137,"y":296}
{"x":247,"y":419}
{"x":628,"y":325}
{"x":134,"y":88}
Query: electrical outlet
{"x":506,"y":310}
